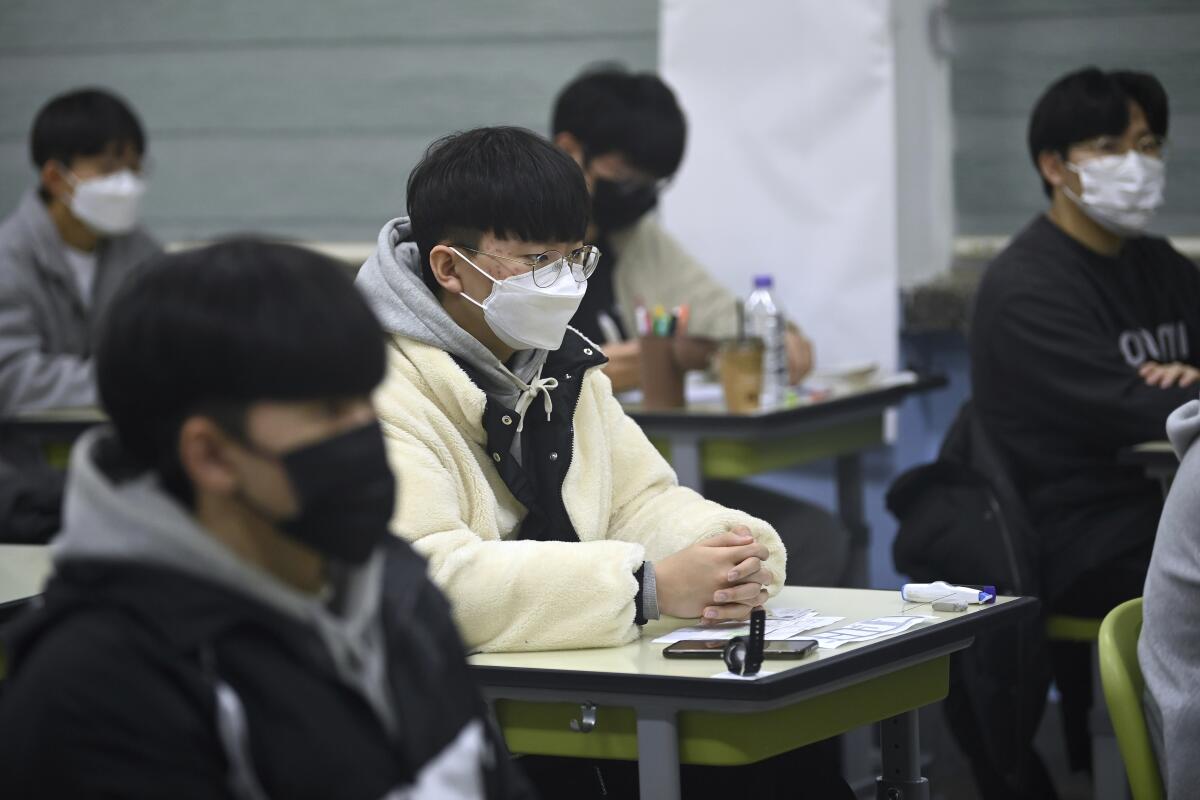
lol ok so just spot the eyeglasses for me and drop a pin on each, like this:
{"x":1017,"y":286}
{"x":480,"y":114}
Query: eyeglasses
{"x":547,"y":266}
{"x":1149,"y":145}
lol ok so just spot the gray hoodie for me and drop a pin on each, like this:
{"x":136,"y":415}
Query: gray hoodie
{"x":1169,"y":647}
{"x":135,"y":521}
{"x":46,"y":328}
{"x":391,"y":281}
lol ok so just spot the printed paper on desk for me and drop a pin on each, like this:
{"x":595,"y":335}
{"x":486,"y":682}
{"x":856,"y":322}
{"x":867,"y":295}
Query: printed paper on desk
{"x":867,"y":630}
{"x":783,"y":623}
{"x":732,"y":676}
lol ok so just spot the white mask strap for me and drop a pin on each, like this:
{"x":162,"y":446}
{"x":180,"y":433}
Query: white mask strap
{"x":477,"y":269}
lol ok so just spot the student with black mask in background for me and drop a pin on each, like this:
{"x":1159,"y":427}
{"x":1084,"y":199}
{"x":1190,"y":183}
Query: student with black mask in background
{"x":627,"y":132}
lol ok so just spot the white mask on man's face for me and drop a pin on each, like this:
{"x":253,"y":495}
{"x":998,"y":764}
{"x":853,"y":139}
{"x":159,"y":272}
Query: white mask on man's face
{"x":1121,"y":193}
{"x":108,"y":204}
{"x":526,"y":316}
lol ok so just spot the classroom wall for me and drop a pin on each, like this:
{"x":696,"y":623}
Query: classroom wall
{"x":303,"y":117}
{"x":300,"y":117}
{"x":1007,"y":53}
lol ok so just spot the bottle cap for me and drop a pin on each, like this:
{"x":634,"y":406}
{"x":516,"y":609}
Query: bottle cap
{"x":763,"y":282}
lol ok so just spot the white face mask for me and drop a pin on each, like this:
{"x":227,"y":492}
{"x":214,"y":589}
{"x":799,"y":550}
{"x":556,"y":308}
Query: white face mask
{"x":1121,"y":193}
{"x":108,"y":204}
{"x":526,"y":316}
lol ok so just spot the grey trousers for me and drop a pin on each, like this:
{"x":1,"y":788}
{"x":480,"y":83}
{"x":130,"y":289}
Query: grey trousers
{"x":817,"y":543}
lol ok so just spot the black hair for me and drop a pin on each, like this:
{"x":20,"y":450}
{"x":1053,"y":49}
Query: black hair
{"x":611,"y":110}
{"x":1091,"y":103}
{"x":506,"y":181}
{"x":213,"y":330}
{"x":83,"y":122}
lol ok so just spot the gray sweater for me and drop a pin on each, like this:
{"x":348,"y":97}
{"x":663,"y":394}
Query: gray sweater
{"x":1169,"y":648}
{"x":47,"y":332}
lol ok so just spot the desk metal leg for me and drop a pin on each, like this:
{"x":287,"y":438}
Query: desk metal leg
{"x":850,"y":509}
{"x":685,"y":458}
{"x":900,"y":746}
{"x":857,"y":760}
{"x":658,"y":754}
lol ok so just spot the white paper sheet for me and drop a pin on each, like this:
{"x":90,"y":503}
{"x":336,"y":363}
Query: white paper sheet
{"x":729,"y":676}
{"x":867,"y":630}
{"x":783,"y":623}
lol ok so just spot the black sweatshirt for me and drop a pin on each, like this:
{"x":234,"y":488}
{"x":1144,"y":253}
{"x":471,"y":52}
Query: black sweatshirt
{"x":1057,"y":337}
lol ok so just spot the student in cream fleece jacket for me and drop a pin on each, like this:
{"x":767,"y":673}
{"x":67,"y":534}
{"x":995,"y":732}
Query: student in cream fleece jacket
{"x":547,"y":517}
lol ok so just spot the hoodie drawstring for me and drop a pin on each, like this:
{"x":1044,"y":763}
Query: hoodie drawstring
{"x":529,"y":392}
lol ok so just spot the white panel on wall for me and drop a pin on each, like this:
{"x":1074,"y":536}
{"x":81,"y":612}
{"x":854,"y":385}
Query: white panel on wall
{"x":924,"y":141}
{"x":791,"y":162}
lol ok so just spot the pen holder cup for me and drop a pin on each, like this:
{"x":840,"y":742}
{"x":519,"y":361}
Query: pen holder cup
{"x":740,"y":366}
{"x":664,"y":362}
{"x":662,"y":374}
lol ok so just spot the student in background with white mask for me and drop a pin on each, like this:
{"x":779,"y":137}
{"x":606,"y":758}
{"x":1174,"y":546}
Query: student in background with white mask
{"x":1085,"y":337}
{"x":67,"y":248}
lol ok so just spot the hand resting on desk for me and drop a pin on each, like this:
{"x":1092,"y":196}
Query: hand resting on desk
{"x":799,"y":355}
{"x":720,"y":578}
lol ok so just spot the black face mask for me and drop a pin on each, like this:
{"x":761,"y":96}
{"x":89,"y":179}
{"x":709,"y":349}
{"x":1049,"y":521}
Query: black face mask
{"x":346,"y":492}
{"x":619,"y":204}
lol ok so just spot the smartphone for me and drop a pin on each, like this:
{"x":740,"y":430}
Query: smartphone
{"x":712,"y":648}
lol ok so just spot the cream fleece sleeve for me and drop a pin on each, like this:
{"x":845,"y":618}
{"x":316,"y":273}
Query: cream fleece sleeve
{"x":510,"y":595}
{"x":651,"y":508}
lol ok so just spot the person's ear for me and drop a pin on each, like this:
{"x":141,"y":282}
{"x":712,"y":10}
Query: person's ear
{"x":444,"y":264}
{"x":567,"y":142}
{"x":202,"y":453}
{"x":54,"y":178}
{"x":1053,"y":168}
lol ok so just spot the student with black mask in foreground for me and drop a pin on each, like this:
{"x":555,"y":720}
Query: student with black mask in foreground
{"x":627,"y":132}
{"x":1084,"y":339}
{"x":229,"y":615}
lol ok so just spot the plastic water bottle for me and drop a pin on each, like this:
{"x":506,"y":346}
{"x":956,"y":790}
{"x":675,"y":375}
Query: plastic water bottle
{"x":764,"y":320}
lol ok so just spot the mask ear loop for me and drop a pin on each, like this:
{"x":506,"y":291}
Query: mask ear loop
{"x":481,"y":272}
{"x":69,"y":176}
{"x":1070,"y":166}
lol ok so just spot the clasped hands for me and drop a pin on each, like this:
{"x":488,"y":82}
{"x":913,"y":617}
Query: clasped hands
{"x":718,"y":579}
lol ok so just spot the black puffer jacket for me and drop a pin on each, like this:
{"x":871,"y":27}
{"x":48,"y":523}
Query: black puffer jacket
{"x":134,"y":681}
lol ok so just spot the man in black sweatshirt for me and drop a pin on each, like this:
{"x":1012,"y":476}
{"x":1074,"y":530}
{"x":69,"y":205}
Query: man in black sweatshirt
{"x":1084,"y":339}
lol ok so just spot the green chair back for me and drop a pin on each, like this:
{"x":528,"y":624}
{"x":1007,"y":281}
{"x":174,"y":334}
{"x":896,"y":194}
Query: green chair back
{"x":1123,"y":687}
